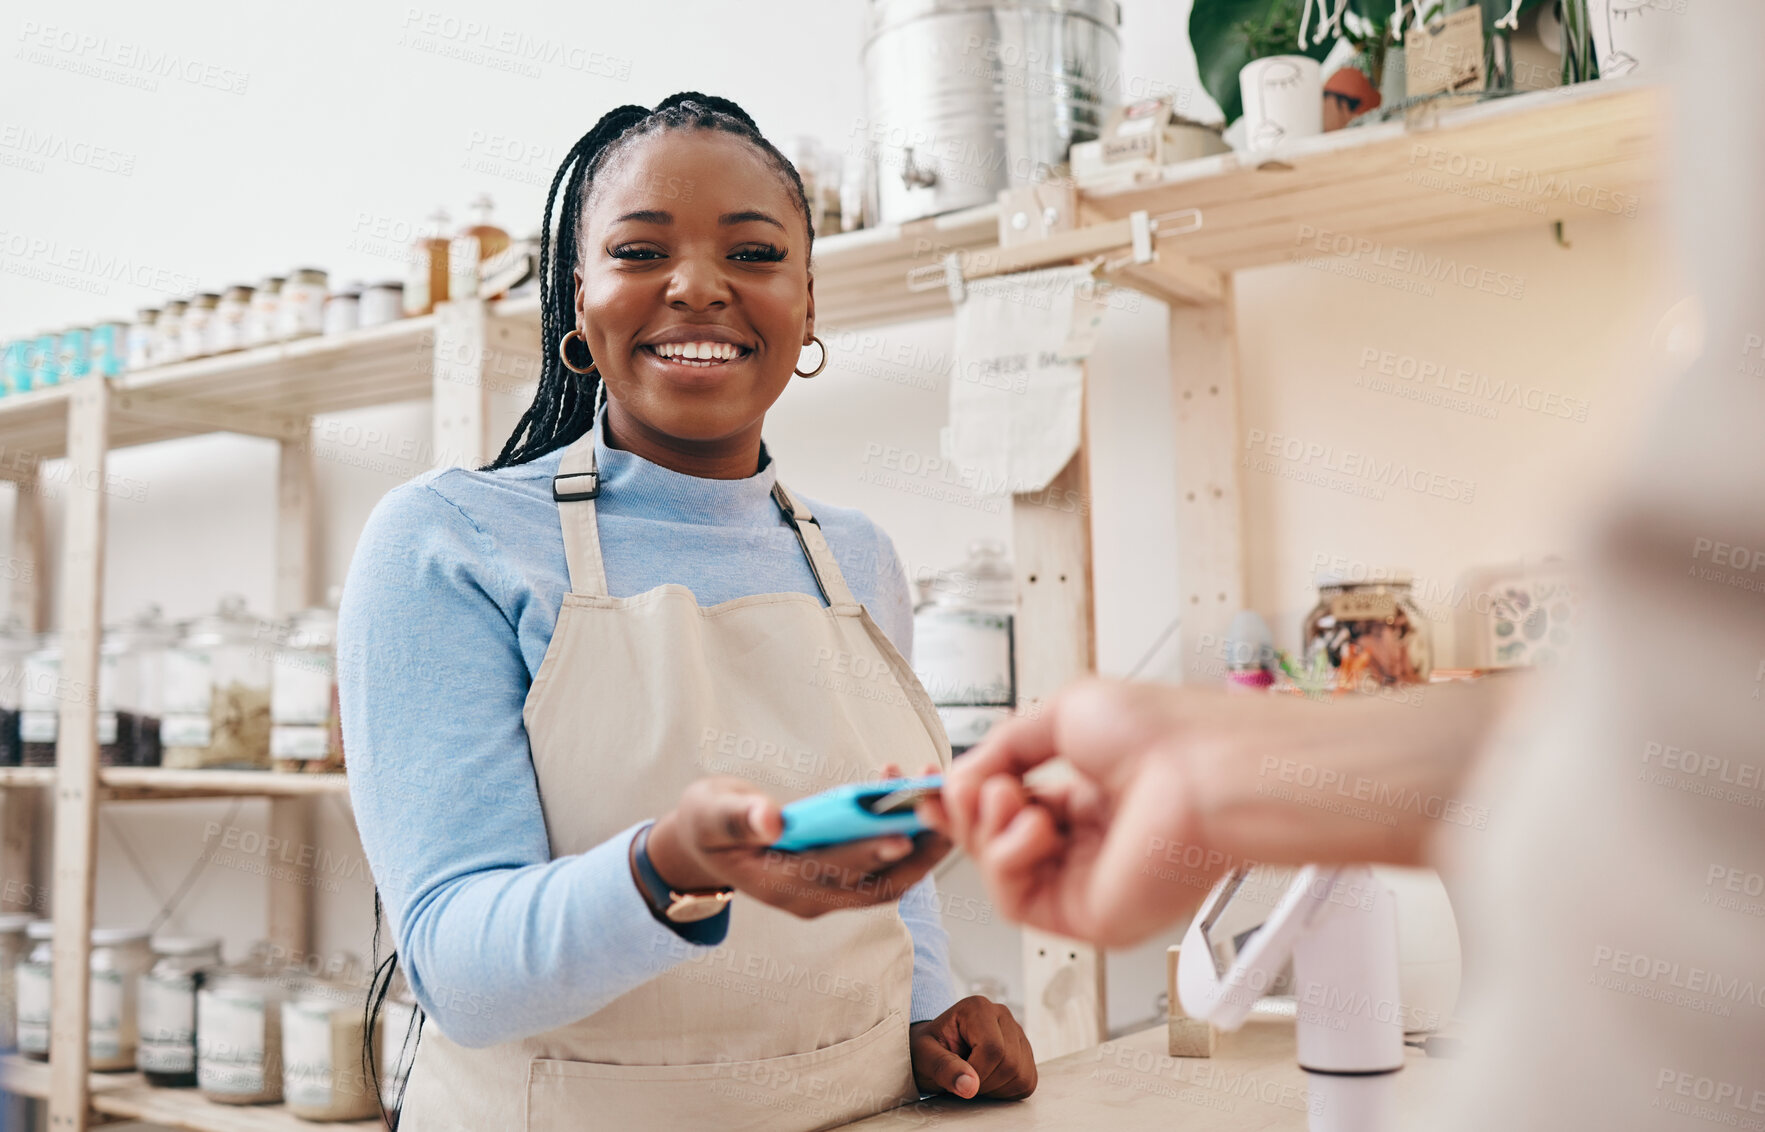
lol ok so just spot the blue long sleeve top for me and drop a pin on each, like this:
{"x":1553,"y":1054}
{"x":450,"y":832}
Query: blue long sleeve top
{"x":450,"y":603}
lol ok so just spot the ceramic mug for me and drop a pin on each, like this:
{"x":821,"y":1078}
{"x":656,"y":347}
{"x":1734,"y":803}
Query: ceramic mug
{"x":1283,"y":99}
{"x":1629,"y":35}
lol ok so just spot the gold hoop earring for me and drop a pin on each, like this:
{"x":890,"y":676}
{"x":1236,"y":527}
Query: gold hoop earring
{"x":564,"y":353}
{"x":823,"y":364}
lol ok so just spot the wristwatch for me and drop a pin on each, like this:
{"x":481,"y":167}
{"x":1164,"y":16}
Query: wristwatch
{"x":665,"y":903}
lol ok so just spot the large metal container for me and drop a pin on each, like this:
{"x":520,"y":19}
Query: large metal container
{"x":968,"y":97}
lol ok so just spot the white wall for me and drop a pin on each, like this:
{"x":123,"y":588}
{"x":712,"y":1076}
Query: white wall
{"x":345,"y":133}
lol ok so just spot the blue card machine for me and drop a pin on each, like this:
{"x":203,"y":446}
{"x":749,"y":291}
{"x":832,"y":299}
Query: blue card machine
{"x":854,"y":812}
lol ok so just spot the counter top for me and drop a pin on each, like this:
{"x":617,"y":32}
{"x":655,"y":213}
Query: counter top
{"x":1251,"y":1084}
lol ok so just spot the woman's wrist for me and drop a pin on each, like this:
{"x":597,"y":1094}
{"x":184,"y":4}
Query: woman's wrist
{"x":669,"y":857}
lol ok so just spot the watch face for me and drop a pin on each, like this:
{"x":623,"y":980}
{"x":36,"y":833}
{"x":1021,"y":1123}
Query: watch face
{"x":691,"y":908}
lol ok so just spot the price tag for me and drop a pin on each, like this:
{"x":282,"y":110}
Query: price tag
{"x":1447,"y":55}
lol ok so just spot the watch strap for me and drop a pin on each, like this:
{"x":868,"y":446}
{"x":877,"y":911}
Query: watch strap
{"x":659,"y":897}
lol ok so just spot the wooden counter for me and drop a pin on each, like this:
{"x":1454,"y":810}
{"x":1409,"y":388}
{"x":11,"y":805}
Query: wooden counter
{"x":1252,"y":1084}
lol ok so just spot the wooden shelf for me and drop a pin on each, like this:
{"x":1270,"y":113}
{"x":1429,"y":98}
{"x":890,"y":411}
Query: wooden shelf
{"x":1573,"y":153}
{"x":861,"y":277}
{"x":147,"y":781}
{"x":129,"y":1095}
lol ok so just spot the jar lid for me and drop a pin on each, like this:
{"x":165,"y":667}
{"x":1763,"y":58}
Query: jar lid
{"x":312,"y":629}
{"x":270,"y":284}
{"x":206,"y":299}
{"x":185,"y":944}
{"x":148,"y":629}
{"x":229,"y":624}
{"x":112,"y":937}
{"x":387,"y":285}
{"x":176,"y":305}
{"x":75,"y":330}
{"x":146,"y":314}
{"x":309,"y":275}
{"x":1361,"y":576}
{"x":40,"y":929}
{"x":351,"y":291}
{"x":239,"y":291}
{"x":15,"y":922}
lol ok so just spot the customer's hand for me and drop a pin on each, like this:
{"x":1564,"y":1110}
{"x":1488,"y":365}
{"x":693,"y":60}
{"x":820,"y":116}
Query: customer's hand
{"x":719,"y":836}
{"x":1175,"y":786}
{"x":974,"y":1049}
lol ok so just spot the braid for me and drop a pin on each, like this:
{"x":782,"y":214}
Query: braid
{"x":563,"y":406}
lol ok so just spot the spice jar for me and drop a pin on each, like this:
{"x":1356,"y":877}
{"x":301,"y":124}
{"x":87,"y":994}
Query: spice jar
{"x":167,"y":1007}
{"x":381,"y":303}
{"x":34,"y":977}
{"x":196,"y":329}
{"x":304,"y":730}
{"x":227,"y":331}
{"x":15,"y":646}
{"x":323,"y":1045}
{"x":239,"y":1035}
{"x":110,"y":348}
{"x":39,"y":720}
{"x":73,"y":353}
{"x":396,"y":1040}
{"x":141,"y":335}
{"x":15,"y":377}
{"x":131,"y":679}
{"x":265,"y":314}
{"x":217,"y":692}
{"x":343,"y":310}
{"x":168,"y":333}
{"x":301,"y":311}
{"x":13,"y":948}
{"x":962,"y":636}
{"x":1367,"y":633}
{"x":120,"y":956}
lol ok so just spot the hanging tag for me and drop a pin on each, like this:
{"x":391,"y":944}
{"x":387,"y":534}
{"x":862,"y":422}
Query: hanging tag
{"x":1447,"y":55}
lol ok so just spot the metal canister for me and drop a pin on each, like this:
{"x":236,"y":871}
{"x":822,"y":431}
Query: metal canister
{"x":968,"y":97}
{"x":73,"y":352}
{"x":46,"y":361}
{"x":110,"y":345}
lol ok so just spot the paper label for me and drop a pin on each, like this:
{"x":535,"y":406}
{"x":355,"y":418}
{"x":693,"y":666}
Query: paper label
{"x":168,"y":1025}
{"x":1447,"y":55}
{"x":306,"y":1055}
{"x":33,"y":1008}
{"x":105,"y":1033}
{"x":185,"y":731}
{"x":963,"y":657}
{"x":230,"y":1044}
{"x":301,"y":689}
{"x":37,"y":726}
{"x":303,"y":742}
{"x":1363,"y":606}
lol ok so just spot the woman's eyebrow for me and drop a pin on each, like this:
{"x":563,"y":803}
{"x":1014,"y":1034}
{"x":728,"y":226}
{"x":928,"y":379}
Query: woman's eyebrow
{"x":658,"y":216}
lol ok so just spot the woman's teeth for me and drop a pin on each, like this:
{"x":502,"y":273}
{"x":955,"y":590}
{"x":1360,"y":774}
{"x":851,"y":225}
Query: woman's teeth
{"x":699,"y":354}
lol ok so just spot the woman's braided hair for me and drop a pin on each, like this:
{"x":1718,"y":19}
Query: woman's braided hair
{"x":563,"y":407}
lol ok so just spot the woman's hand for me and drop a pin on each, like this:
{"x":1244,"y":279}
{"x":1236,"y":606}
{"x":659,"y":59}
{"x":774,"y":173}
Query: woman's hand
{"x":974,"y":1049}
{"x":719,"y":836}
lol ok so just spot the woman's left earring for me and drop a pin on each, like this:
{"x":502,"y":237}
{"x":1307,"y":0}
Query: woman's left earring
{"x":817,"y":369}
{"x":564,"y":353}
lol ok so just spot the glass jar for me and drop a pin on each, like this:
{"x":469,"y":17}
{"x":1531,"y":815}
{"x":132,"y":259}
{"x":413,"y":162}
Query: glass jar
{"x":227,"y":332}
{"x":381,"y":303}
{"x":120,"y":956}
{"x":323,"y":1044}
{"x":304,"y":731}
{"x":197,"y":328}
{"x":13,"y":948}
{"x":34,"y":978}
{"x":217,"y":692}
{"x":167,"y":1008}
{"x":39,"y":718}
{"x":265,"y":314}
{"x":15,"y":646}
{"x":301,"y":312}
{"x":168,"y":332}
{"x":110,"y":348}
{"x":73,"y":353}
{"x":343,"y":310}
{"x":396,"y":1039}
{"x":131,"y":678}
{"x":1366,"y":634}
{"x":962,"y":643}
{"x":141,"y":337}
{"x":239,"y":1035}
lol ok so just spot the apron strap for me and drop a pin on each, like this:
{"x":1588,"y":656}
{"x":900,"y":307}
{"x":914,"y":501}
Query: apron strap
{"x":815,"y":548}
{"x":578,"y":484}
{"x":575,"y":488}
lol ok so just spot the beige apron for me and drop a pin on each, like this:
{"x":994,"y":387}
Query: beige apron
{"x":789,"y":1024}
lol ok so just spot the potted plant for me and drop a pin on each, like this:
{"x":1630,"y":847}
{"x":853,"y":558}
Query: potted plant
{"x":1231,"y":37}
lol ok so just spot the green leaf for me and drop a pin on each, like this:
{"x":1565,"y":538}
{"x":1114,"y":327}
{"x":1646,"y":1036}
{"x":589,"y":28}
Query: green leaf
{"x":1227,"y":34}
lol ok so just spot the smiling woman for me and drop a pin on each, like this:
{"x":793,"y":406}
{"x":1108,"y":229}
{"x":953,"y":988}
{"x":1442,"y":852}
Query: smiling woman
{"x":541,"y":663}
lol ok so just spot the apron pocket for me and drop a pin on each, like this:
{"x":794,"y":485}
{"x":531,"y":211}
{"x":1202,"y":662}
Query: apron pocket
{"x":796,"y":1093}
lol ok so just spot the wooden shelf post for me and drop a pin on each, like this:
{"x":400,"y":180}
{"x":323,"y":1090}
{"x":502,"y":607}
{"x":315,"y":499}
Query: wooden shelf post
{"x":289,"y":898}
{"x":462,"y":395}
{"x":76,"y":751}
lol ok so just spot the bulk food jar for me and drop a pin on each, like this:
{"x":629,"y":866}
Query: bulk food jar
{"x":166,"y":1007}
{"x":131,"y":689}
{"x":120,"y":956}
{"x":305,"y":734}
{"x":13,"y":949}
{"x":15,"y":646}
{"x":217,"y":692}
{"x":32,"y":979}
{"x":39,"y":720}
{"x":1367,"y":633}
{"x":962,"y":643}
{"x":323,"y":1042}
{"x":239,"y":1034}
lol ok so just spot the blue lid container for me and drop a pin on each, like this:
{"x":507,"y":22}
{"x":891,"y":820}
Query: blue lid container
{"x":110,"y":345}
{"x":45,"y":366}
{"x":74,"y":353}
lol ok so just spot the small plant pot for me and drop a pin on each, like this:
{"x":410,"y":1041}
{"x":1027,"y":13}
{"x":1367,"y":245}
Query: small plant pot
{"x":1283,"y":99}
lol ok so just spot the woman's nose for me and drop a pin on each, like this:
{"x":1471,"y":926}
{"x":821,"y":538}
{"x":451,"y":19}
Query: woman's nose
{"x":697,"y":284}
